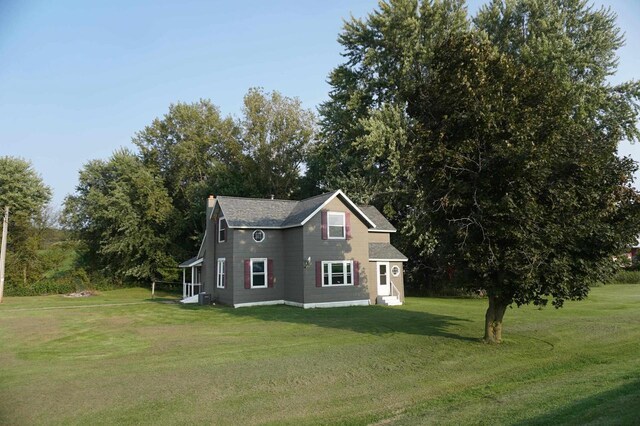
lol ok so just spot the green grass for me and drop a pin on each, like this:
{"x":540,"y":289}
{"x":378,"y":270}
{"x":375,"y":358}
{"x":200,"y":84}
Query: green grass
{"x":120,"y":358}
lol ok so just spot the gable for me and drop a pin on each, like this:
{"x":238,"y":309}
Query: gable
{"x":280,"y":214}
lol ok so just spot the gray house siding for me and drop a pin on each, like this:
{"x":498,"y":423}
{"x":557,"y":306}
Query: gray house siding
{"x":215,"y":251}
{"x":246,"y":248}
{"x":399,"y":280}
{"x":293,"y":259}
{"x":379,"y":237}
{"x":356,"y":248}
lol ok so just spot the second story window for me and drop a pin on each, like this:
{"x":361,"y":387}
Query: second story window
{"x":222,"y":230}
{"x":336,"y":223}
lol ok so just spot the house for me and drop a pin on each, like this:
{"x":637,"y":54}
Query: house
{"x":323,"y":251}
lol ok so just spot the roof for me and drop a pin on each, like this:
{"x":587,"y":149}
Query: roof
{"x":382,"y":224}
{"x":385,"y":251}
{"x":255,"y":212}
{"x":266,"y":213}
{"x":194,"y":261}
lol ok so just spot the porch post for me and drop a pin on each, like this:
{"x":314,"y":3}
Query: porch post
{"x":184,"y":288}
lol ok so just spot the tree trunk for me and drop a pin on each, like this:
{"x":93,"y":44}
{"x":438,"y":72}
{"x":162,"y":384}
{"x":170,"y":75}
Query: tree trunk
{"x":493,"y":320}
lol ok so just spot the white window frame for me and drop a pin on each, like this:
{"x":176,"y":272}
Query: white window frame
{"x":266,"y":271}
{"x":253,"y":235}
{"x":344,"y":225}
{"x":344,"y":272}
{"x":221,"y":272}
{"x":220,"y":229}
{"x":395,"y":271}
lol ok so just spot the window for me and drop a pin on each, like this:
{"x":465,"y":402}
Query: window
{"x":258,"y":235}
{"x":222,"y":230}
{"x":336,"y":223}
{"x":258,"y":273}
{"x":395,"y":270}
{"x":220,"y":279}
{"x":337,"y":273}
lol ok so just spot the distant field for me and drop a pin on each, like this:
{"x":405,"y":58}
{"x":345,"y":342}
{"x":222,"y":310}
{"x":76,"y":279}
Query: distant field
{"x":121,"y":358}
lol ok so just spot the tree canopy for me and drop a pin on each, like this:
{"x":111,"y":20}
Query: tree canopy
{"x":26,"y":195}
{"x":121,"y":211}
{"x":493,"y":140}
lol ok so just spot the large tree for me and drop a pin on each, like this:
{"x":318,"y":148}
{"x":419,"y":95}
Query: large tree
{"x":196,"y":152}
{"x":276,"y":134}
{"x":503,"y":134}
{"x":25,"y":195}
{"x":122,"y":212}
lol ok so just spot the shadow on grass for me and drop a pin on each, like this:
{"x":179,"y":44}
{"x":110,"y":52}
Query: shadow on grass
{"x":375,"y":320}
{"x":617,"y":406}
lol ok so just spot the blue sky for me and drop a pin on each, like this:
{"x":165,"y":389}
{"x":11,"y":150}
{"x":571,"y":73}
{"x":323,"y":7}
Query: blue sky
{"x":78,"y":78}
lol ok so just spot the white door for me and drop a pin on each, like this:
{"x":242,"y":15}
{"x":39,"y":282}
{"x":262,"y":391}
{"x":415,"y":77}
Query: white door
{"x":383,"y":279}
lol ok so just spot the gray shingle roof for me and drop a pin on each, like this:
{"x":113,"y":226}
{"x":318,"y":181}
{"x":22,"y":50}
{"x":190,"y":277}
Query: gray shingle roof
{"x":255,"y":212}
{"x":385,"y":251}
{"x":304,"y":208}
{"x":266,"y":213}
{"x":191,"y":262}
{"x":382,"y":224}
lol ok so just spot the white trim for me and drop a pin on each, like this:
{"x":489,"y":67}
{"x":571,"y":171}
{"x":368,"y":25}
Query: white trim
{"x":253,"y":235}
{"x":335,"y":194}
{"x":340,"y":304}
{"x":201,"y":249}
{"x":196,"y":262}
{"x":386,"y":287}
{"x":266,"y":271}
{"x":344,"y":272}
{"x":397,"y":268}
{"x":343,"y":215}
{"x":382,"y":231}
{"x":388,"y":260}
{"x":224,"y":272}
{"x":226,"y":226}
{"x":263,"y":303}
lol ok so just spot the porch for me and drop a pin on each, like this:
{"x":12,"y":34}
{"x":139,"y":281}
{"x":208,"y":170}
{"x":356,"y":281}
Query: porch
{"x":191,"y":277}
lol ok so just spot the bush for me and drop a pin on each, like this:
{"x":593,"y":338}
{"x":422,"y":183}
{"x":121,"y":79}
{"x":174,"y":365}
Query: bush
{"x":626,"y":277}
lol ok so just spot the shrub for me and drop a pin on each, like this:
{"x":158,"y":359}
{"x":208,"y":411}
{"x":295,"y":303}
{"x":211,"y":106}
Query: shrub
{"x":626,"y":277}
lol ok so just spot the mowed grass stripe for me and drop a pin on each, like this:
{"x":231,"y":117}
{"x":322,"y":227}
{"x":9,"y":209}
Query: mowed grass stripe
{"x":422,"y":363}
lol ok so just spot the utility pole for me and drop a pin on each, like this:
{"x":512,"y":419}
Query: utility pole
{"x":3,"y":249}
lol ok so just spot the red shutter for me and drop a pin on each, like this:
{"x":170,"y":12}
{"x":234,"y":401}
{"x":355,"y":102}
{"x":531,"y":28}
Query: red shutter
{"x":247,"y":273}
{"x":318,"y":273}
{"x":270,"y":272}
{"x":356,"y":273}
{"x":324,"y":224}
{"x":347,"y":224}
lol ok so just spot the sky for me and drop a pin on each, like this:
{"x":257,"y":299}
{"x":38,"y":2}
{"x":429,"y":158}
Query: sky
{"x":78,"y":79}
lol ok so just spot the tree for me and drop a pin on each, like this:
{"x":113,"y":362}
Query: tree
{"x":196,"y":152}
{"x":25,"y":196}
{"x":121,"y":212}
{"x":276,"y":133}
{"x":505,"y":140}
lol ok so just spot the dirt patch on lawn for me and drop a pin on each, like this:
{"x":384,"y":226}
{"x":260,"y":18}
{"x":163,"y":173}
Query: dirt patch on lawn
{"x":84,"y":293}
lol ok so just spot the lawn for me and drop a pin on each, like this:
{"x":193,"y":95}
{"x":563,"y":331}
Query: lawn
{"x":123,"y":358}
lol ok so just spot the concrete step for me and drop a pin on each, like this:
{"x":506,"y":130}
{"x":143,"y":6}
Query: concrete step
{"x":388,"y":301}
{"x":192,"y":299}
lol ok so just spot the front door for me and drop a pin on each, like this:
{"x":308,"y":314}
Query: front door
{"x":383,"y":279}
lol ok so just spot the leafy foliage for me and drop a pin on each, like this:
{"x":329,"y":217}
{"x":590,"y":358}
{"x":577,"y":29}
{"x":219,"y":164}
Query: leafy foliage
{"x":276,"y":133}
{"x":122,"y":213}
{"x":492,"y":142}
{"x":23,"y":191}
